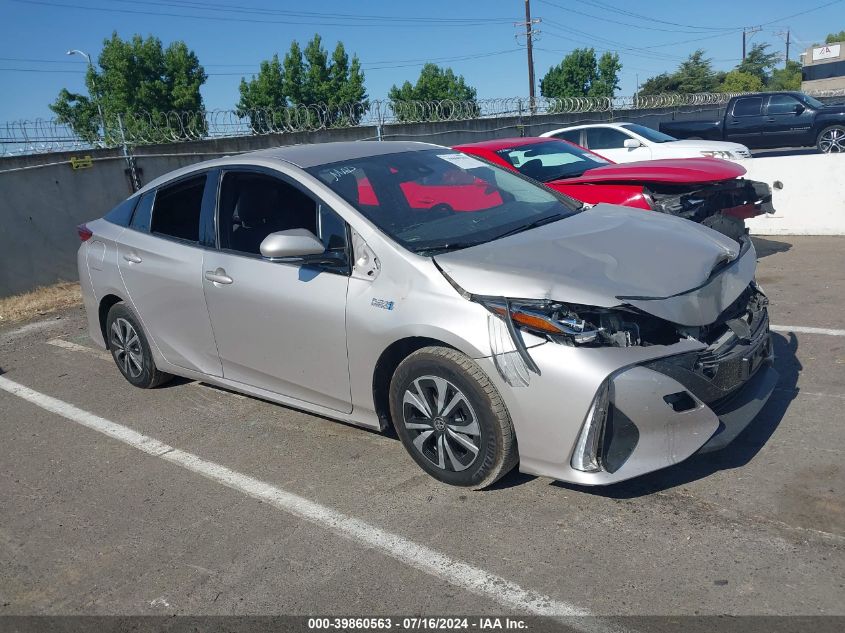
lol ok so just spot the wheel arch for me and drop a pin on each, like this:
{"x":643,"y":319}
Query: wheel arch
{"x":106,"y":304}
{"x":386,"y":365}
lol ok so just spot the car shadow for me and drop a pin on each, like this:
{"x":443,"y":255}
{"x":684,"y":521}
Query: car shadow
{"x":736,"y":454}
{"x":766,"y":247}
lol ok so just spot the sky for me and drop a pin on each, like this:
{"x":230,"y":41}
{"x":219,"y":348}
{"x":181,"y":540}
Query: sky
{"x":393,"y":39}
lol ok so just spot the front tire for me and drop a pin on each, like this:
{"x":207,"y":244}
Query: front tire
{"x":451,"y":419}
{"x":130,"y":350}
{"x":831,"y":140}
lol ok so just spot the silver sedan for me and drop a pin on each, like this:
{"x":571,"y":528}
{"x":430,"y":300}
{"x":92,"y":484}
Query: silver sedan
{"x":489,"y":320}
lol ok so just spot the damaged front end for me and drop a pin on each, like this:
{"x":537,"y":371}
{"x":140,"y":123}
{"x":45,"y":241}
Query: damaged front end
{"x":729,"y":373}
{"x":722,"y":206}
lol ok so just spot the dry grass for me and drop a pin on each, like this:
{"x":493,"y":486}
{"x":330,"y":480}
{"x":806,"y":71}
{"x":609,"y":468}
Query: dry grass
{"x":40,"y":301}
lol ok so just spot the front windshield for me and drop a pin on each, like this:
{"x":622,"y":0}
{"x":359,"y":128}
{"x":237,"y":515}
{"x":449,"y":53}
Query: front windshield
{"x":647,"y":133}
{"x":439,"y":200}
{"x":813,"y":103}
{"x":552,"y":160}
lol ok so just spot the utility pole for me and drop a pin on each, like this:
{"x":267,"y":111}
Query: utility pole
{"x":530,"y":48}
{"x":750,"y":31}
{"x":786,"y":37}
{"x":530,"y":33}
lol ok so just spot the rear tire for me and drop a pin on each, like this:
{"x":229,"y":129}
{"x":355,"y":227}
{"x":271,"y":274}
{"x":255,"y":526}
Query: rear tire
{"x":130,"y":350}
{"x":451,"y":419}
{"x":831,"y":140}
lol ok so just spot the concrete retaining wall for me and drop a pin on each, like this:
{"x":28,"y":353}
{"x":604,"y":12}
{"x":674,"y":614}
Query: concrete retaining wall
{"x":811,"y":200}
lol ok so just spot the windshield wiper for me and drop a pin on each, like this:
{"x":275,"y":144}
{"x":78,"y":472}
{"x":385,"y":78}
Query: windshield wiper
{"x":533,"y":225}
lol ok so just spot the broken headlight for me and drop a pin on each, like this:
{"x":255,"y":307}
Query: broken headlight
{"x":570,"y":324}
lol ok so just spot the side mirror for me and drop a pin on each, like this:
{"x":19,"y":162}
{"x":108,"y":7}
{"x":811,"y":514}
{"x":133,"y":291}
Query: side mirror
{"x":799,"y":108}
{"x":293,"y":244}
{"x":631,"y":143}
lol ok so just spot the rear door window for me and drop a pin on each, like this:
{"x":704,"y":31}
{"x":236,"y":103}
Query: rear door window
{"x":748,"y":106}
{"x":573,"y":136}
{"x":177,"y":209}
{"x":605,"y":138}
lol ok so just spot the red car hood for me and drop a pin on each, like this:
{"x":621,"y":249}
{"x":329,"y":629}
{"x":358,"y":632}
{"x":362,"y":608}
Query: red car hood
{"x":678,"y":170}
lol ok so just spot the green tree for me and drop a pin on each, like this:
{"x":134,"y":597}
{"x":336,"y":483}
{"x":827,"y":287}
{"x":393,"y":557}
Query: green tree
{"x":835,"y":37}
{"x":434,"y":84}
{"x":787,"y":78}
{"x":759,"y":63}
{"x":573,"y":77}
{"x":695,"y":74}
{"x":607,"y":78}
{"x":263,"y":95}
{"x":739,"y":81}
{"x":150,"y":86}
{"x":664,"y":83}
{"x":306,"y":77}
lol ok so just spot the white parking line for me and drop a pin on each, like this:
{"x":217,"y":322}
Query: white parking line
{"x":421,"y":557}
{"x":74,"y":347}
{"x":800,"y":329}
{"x":90,"y":351}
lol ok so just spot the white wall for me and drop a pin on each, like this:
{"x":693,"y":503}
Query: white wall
{"x":812,"y":201}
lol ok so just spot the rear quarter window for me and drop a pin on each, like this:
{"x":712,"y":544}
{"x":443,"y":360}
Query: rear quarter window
{"x":122,"y":213}
{"x":143,"y":212}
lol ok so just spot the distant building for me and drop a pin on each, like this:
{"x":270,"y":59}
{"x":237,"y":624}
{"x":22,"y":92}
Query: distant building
{"x":823,"y":67}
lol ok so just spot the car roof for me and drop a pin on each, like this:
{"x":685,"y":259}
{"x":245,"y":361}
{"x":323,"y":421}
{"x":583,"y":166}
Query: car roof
{"x":303,"y":156}
{"x":505,"y":143}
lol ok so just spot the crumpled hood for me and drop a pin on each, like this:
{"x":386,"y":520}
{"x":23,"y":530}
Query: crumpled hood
{"x":673,"y":170}
{"x":611,"y":255}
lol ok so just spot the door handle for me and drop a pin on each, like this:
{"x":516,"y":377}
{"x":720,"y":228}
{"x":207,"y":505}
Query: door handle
{"x":132,"y":258}
{"x":218,"y":276}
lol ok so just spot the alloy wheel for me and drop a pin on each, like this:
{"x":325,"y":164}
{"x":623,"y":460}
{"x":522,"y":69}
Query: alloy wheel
{"x":126,"y":347}
{"x":832,"y":141}
{"x":442,"y":423}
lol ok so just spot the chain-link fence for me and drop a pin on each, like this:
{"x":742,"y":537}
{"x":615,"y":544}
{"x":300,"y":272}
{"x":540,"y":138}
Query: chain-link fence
{"x":132,"y":129}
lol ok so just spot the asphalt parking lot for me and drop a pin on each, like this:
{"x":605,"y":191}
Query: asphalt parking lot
{"x":93,"y":525}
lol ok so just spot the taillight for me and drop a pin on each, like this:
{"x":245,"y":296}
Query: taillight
{"x":85,"y":233}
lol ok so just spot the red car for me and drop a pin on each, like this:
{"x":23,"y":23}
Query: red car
{"x":707,"y":190}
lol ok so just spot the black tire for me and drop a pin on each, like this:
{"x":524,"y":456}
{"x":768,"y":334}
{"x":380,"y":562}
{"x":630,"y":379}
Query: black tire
{"x":734,"y":228}
{"x":478,"y":407}
{"x":130,"y":350}
{"x":831,"y":140}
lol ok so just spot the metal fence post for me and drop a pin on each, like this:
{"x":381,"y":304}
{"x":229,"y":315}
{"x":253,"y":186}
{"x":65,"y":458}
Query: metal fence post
{"x":378,"y":122}
{"x":134,"y":178}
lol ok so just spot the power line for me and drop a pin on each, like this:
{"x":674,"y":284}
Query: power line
{"x":600,"y":5}
{"x":234,"y":8}
{"x":636,"y":26}
{"x":216,"y":18}
{"x":380,"y":65}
